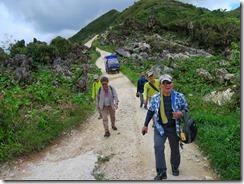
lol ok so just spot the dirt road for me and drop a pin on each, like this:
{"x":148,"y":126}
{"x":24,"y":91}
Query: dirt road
{"x":131,"y":155}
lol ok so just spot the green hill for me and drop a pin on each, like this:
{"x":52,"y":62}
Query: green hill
{"x":195,"y":26}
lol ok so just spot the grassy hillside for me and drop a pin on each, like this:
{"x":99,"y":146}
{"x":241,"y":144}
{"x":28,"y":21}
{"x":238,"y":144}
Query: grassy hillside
{"x":198,"y":27}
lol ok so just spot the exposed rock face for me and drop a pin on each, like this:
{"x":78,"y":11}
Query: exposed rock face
{"x":220,"y":97}
{"x":205,"y":74}
{"x":22,"y":67}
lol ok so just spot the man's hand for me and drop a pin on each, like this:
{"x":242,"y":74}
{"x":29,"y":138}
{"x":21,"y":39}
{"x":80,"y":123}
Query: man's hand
{"x":177,"y":115}
{"x":144,"y":130}
{"x":145,"y":102}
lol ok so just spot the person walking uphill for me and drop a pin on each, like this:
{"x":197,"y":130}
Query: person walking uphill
{"x":107,"y":101}
{"x":95,"y":86}
{"x":166,"y":107}
{"x":150,"y":88}
{"x":140,"y":88}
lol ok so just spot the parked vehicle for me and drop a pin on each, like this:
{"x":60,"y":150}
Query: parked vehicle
{"x":112,"y":63}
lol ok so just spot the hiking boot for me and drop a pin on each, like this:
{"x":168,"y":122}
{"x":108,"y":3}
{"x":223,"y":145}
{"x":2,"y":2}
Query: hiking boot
{"x":145,"y":107}
{"x":114,"y":128}
{"x":141,"y":105}
{"x":100,"y":117}
{"x":107,"y":134}
{"x":175,"y":171}
{"x":161,"y":175}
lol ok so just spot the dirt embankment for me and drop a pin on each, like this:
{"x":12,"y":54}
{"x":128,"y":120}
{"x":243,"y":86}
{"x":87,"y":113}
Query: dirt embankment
{"x":131,"y":155}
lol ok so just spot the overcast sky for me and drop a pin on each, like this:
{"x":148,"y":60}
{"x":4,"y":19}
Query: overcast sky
{"x":47,"y":19}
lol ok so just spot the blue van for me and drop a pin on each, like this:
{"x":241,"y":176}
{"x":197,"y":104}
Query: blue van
{"x":112,"y":63}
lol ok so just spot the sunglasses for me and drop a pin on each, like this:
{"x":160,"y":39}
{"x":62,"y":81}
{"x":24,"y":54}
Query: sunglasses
{"x":166,"y":82}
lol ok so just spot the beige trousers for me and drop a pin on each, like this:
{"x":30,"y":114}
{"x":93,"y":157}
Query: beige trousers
{"x":108,"y":110}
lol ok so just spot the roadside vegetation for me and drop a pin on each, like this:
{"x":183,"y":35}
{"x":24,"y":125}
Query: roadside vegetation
{"x":33,"y":115}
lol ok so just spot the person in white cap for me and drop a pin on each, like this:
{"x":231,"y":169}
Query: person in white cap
{"x":166,"y":108}
{"x":150,"y":88}
{"x":95,"y":86}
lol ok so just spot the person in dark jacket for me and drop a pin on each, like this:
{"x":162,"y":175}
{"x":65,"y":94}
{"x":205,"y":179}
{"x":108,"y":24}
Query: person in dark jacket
{"x":140,"y":88}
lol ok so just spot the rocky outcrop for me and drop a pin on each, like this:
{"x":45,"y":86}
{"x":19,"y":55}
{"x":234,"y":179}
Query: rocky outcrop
{"x":219,"y":97}
{"x":22,"y":67}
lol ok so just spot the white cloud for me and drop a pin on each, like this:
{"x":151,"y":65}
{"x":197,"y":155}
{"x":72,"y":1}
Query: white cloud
{"x":47,"y":19}
{"x":213,"y":5}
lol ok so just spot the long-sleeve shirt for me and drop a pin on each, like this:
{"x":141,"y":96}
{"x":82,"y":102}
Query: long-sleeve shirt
{"x":112,"y":95}
{"x":95,"y":87}
{"x":149,"y":91}
{"x":178,"y":103}
{"x":140,"y":84}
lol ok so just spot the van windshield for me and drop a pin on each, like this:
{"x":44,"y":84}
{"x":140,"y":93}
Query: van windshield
{"x":113,"y":61}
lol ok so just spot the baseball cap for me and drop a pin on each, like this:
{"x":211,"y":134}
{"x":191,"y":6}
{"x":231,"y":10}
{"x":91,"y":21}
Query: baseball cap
{"x":165,"y":77}
{"x":95,"y":77}
{"x":150,"y":73}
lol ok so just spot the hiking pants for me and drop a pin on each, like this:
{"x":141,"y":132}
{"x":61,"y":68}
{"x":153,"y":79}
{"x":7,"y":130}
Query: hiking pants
{"x":159,"y":148}
{"x":108,"y":110}
{"x":100,"y":112}
{"x":141,"y":98}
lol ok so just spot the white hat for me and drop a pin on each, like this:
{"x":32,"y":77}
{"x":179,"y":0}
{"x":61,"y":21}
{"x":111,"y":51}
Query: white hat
{"x":95,"y":77}
{"x":150,"y":73}
{"x":165,"y":77}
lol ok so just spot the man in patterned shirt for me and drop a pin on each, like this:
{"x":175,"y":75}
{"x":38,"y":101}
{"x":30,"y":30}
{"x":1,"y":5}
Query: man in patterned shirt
{"x":166,"y":108}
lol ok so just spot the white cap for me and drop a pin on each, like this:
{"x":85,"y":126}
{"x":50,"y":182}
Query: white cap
{"x":149,"y":73}
{"x":95,"y":77}
{"x":165,"y":77}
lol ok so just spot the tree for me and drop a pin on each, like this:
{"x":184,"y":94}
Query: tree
{"x":17,"y":48}
{"x":62,"y":45}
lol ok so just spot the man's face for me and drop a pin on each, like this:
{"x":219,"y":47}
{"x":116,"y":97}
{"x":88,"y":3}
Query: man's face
{"x":105,"y":85}
{"x":151,"y":78}
{"x":166,"y":86}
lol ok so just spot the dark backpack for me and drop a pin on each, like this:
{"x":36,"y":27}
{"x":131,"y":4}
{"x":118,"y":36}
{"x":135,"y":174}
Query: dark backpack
{"x":189,"y":130}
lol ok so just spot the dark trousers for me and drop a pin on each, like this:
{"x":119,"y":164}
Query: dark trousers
{"x":159,"y":147}
{"x":141,"y":98}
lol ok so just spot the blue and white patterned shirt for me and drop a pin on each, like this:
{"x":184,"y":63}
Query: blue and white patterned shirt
{"x":178,"y":103}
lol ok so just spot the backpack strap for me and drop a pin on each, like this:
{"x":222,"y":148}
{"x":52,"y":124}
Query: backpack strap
{"x":112,"y":90}
{"x":153,"y":86}
{"x":99,"y":91}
